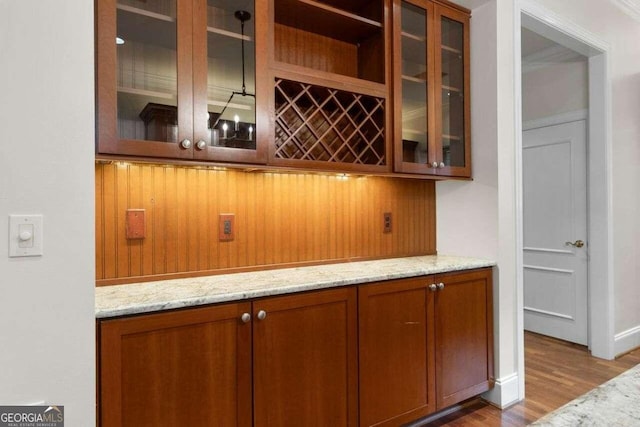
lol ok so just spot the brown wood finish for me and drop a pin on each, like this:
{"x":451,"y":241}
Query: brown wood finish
{"x":107,"y":138}
{"x":399,"y":164}
{"x":396,"y":347}
{"x":462,"y":17}
{"x":556,"y":372}
{"x":189,"y":367}
{"x":305,"y":360}
{"x":281,"y":219}
{"x":200,"y":75}
{"x":191,"y":88}
{"x":299,"y":47}
{"x":464,"y":337}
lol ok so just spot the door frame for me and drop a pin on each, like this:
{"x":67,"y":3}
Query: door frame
{"x":531,"y":15}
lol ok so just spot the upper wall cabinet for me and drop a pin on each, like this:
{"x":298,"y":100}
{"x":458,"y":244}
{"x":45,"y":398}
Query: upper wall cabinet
{"x":431,"y":82}
{"x":330,"y":74}
{"x":177,"y":78}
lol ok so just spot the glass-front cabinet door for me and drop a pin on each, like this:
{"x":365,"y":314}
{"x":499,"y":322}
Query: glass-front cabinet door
{"x":413,"y":71}
{"x":452,"y":100}
{"x":177,"y":79}
{"x":431,"y":81}
{"x":143,"y":92}
{"x":225,"y":119}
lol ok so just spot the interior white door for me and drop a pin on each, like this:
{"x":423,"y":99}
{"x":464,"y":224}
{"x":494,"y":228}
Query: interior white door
{"x":555,"y":224}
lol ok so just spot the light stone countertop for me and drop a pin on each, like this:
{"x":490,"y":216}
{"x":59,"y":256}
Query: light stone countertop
{"x":120,"y":300}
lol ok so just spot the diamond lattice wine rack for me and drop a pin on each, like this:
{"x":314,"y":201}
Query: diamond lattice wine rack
{"x":316,"y":123}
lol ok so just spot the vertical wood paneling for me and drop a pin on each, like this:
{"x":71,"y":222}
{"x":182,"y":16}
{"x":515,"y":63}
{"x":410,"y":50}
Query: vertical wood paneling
{"x":99,"y":220}
{"x":279,"y":219}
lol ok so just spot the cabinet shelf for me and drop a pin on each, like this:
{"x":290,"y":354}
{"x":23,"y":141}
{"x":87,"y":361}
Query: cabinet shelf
{"x":450,"y":49}
{"x":413,"y":37}
{"x":172,"y":96}
{"x":451,"y":89}
{"x":325,"y":20}
{"x":413,"y":79}
{"x":161,"y":23}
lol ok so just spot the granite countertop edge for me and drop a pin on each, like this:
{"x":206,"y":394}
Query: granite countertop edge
{"x":149,"y":297}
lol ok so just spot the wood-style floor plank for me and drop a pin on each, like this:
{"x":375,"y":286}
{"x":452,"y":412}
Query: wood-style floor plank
{"x":556,"y":372}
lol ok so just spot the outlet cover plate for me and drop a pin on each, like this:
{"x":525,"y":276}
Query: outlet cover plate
{"x":226,"y":227}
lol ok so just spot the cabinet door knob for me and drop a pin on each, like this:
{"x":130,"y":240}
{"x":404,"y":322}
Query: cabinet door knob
{"x":261,"y":315}
{"x":246,"y":317}
{"x":440,"y":286}
{"x":201,"y":145}
{"x":441,"y":165}
{"x":186,"y":143}
{"x":433,"y":287}
{"x":434,"y":165}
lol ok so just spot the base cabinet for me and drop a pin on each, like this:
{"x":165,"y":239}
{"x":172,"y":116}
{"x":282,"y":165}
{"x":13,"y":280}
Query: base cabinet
{"x":396,"y":338}
{"x":425,"y":344}
{"x":194,"y":367}
{"x":381,"y":354}
{"x":190,"y":367}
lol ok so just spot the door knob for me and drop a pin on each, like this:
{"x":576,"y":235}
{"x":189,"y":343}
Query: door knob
{"x":433,"y":287}
{"x":246,"y":317}
{"x":440,"y":286}
{"x":201,"y":145}
{"x":261,"y":315}
{"x":186,"y":144}
{"x":576,"y":244}
{"x":434,"y":165}
{"x":441,"y":165}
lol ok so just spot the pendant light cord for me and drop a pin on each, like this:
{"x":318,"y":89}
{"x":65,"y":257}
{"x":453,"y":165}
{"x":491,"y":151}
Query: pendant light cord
{"x":242,"y":16}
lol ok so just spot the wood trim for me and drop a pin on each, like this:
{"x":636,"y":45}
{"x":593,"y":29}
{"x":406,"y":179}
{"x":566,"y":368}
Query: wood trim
{"x":326,"y":79}
{"x":452,"y":5}
{"x":106,"y":116}
{"x":105,"y":159}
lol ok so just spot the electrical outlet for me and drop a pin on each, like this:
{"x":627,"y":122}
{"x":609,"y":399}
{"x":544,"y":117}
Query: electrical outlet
{"x":226,"y":229}
{"x":387,"y":222}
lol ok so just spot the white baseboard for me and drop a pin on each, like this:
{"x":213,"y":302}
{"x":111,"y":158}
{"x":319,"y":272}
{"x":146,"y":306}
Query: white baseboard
{"x":627,"y":340}
{"x":505,"y":392}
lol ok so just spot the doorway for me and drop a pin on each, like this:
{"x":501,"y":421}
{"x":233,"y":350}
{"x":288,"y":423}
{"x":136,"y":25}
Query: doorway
{"x":534,"y":17}
{"x":555,"y":102}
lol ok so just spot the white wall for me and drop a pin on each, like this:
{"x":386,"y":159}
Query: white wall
{"x":555,"y":89}
{"x":46,"y":167}
{"x":477,"y":218}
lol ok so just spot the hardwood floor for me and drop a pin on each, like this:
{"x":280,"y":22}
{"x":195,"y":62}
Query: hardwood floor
{"x":556,"y":372}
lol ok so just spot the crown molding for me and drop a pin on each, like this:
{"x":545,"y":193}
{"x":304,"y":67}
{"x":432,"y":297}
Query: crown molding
{"x":629,"y":7}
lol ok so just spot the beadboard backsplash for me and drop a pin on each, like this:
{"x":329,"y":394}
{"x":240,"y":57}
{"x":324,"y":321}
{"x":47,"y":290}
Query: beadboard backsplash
{"x":280,"y":219}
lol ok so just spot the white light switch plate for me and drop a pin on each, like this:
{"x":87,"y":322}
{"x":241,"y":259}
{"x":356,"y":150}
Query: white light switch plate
{"x":25,"y":235}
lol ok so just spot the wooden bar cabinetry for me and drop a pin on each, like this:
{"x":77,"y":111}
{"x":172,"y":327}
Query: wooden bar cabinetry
{"x":375,"y":86}
{"x":425,"y":344}
{"x":431,"y":88}
{"x":380,"y":354}
{"x":265,"y":363}
{"x":330,"y":69}
{"x":176,"y":79}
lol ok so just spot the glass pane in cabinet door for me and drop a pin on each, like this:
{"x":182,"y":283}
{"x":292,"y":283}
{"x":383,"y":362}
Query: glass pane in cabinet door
{"x":452,"y":93}
{"x":147,"y":70}
{"x":414,"y":84}
{"x":231,"y":79}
